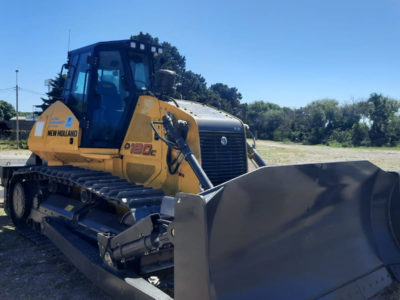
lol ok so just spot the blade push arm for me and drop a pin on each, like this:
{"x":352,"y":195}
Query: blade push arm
{"x":175,"y":139}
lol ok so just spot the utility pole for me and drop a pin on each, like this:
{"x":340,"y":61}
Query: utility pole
{"x":16,"y":106}
{"x":47,"y":83}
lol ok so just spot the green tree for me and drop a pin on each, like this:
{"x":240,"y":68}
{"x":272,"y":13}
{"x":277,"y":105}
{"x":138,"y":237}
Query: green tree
{"x":7,"y":111}
{"x":241,"y":111}
{"x":318,"y":120}
{"x":190,"y":85}
{"x":230,"y":97}
{"x":360,"y":136}
{"x":170,"y":59}
{"x":55,"y":93}
{"x":273,"y":119}
{"x":285,"y":129}
{"x":257,"y":117}
{"x":259,"y":107}
{"x":193,"y":87}
{"x":350,"y":114}
{"x":382,"y":112}
{"x":393,"y":130}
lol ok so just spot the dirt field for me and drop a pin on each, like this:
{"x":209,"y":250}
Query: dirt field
{"x":29,"y":272}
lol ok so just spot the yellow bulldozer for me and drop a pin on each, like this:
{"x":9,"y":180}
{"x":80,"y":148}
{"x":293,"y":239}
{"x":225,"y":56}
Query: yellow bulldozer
{"x":151,"y":197}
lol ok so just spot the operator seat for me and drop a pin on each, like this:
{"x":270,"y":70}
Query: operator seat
{"x":107,"y":116}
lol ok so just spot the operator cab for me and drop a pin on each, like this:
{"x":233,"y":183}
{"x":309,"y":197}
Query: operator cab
{"x":103,"y":84}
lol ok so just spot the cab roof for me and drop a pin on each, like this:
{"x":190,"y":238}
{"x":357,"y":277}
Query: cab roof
{"x":133,"y":44}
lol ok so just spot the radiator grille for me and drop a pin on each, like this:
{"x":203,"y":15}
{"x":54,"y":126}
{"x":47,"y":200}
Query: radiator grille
{"x":222,"y":163}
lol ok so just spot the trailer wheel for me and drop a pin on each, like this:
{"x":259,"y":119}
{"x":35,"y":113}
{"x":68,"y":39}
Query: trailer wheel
{"x":21,"y":203}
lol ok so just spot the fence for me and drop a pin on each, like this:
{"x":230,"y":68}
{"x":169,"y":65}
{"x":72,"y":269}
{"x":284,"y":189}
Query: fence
{"x":8,"y":129}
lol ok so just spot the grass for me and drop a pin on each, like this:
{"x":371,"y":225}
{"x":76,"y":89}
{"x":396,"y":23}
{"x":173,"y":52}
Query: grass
{"x":332,"y":145}
{"x":281,"y":155}
{"x":277,"y":153}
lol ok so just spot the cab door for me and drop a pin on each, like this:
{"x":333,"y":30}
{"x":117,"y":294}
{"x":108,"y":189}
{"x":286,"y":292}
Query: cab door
{"x":110,"y":106}
{"x":77,"y":85}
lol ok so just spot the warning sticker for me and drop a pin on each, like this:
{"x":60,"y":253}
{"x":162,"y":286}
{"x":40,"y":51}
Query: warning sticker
{"x":69,"y":121}
{"x":69,"y":207}
{"x":39,"y":128}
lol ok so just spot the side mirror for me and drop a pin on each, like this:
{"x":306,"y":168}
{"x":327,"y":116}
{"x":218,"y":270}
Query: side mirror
{"x":66,"y":66}
{"x":164,"y":83}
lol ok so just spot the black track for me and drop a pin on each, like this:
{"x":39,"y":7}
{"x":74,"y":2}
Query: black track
{"x":101,"y":184}
{"x":41,"y":241}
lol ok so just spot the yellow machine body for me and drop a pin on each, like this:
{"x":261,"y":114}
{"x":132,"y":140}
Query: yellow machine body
{"x":141,"y":158}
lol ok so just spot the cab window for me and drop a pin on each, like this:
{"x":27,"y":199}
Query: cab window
{"x":140,"y":71}
{"x":80,"y":85}
{"x":109,"y":103}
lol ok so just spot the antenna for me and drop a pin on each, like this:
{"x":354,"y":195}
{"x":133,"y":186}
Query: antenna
{"x":69,"y":38}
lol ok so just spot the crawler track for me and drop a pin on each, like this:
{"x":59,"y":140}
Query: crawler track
{"x":98,"y":183}
{"x":139,"y":199}
{"x":41,"y":241}
{"x":98,"y":187}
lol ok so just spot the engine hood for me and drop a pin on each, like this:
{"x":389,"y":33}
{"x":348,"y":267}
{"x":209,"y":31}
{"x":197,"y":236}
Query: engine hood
{"x":209,"y":118}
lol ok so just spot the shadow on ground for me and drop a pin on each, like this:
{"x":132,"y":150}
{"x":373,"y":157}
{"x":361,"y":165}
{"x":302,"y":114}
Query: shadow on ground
{"x":28,"y":272}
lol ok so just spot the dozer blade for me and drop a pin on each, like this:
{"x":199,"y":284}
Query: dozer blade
{"x":325,"y":231}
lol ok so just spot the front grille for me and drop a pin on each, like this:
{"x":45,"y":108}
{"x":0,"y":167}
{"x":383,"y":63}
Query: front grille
{"x":222,"y":163}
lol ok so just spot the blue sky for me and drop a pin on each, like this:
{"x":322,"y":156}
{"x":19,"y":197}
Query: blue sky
{"x":286,"y":52}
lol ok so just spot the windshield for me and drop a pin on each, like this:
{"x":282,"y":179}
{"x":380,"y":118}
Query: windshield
{"x":140,"y":71}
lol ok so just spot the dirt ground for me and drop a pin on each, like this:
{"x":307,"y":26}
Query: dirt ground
{"x":30,"y":272}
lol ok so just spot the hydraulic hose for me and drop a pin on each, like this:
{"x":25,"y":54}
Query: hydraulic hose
{"x":173,"y":133}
